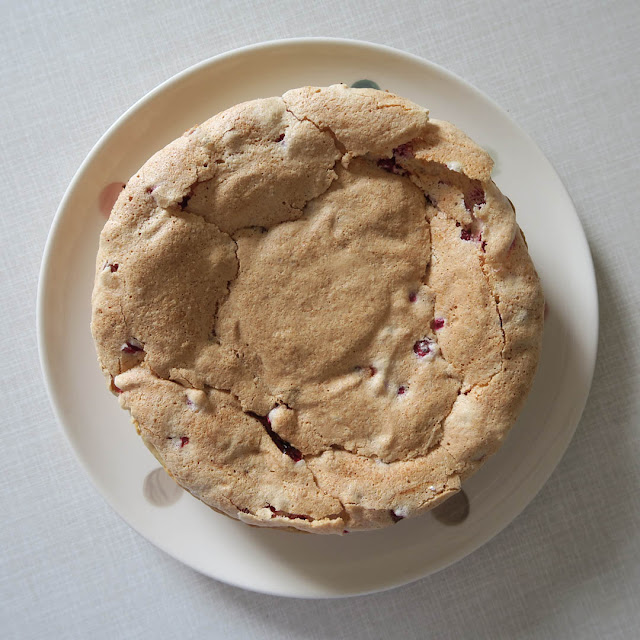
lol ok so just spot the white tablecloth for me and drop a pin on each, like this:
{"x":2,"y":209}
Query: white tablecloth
{"x":569,"y":566}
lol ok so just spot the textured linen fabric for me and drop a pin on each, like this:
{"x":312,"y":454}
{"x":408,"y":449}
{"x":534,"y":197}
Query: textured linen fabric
{"x":568,"y":567}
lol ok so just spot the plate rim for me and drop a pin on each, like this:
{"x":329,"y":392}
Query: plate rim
{"x":46,"y":365}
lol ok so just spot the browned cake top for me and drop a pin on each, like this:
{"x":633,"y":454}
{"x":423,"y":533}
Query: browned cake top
{"x":318,"y":309}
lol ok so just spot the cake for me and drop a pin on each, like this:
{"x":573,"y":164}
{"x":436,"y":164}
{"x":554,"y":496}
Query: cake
{"x":318,"y":309}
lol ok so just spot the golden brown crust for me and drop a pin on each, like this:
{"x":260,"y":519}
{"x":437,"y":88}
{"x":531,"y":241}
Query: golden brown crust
{"x":318,"y":309}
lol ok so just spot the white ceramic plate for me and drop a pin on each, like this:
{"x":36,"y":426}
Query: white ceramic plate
{"x":271,"y":561}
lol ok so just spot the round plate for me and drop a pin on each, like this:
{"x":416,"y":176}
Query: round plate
{"x":273,"y":561}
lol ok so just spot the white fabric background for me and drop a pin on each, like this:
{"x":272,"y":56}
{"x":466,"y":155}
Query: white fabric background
{"x":568,"y":567}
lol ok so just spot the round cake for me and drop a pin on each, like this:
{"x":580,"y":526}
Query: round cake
{"x":318,"y":309}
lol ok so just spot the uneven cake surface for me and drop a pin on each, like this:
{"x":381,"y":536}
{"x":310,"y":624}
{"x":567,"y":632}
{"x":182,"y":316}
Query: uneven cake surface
{"x":319,"y":309}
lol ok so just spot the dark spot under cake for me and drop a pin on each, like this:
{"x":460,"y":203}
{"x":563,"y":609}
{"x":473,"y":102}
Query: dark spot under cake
{"x":108,"y":197}
{"x":454,"y":511}
{"x":365,"y":84}
{"x":159,"y":489}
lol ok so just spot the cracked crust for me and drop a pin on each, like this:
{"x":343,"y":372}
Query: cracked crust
{"x":318,"y":309}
